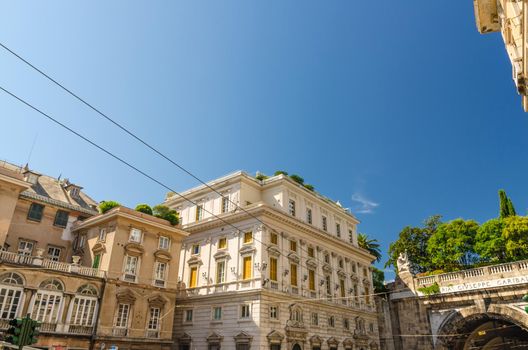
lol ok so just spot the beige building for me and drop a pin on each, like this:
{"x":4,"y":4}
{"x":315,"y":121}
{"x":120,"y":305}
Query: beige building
{"x":507,"y":17}
{"x":94,"y":281}
{"x":276,"y":267}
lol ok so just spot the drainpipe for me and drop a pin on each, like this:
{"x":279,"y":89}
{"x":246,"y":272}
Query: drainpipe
{"x":94,"y":333}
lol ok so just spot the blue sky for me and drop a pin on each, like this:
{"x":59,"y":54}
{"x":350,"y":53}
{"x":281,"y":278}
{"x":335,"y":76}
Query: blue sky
{"x":399,"y":109}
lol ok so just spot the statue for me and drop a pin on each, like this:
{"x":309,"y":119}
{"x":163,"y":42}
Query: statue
{"x":403,"y":263}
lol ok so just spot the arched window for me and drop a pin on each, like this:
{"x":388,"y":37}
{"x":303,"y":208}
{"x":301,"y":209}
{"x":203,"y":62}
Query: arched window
{"x":47,"y":301}
{"x":11,"y":284}
{"x":83,"y":309}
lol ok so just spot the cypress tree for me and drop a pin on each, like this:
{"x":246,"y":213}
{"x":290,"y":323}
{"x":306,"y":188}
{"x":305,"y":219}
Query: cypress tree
{"x":511,"y":209}
{"x":503,"y":205}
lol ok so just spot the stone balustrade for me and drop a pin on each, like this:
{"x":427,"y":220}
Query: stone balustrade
{"x":20,"y":259}
{"x":481,"y":277}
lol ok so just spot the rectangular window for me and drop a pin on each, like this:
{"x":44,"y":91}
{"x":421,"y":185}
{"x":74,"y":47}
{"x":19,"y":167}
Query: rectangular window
{"x":350,"y":236}
{"x":327,"y":258}
{"x":54,"y":253}
{"x":82,"y":240}
{"x":273,"y":269}
{"x":338,"y":230}
{"x":331,"y":321}
{"x":96,"y":261}
{"x":225,"y":204}
{"x":309,"y":215}
{"x":193,"y":278}
{"x":367,"y":295}
{"x":61,"y":218}
{"x":35,"y":212}
{"x":131,"y":268}
{"x":195,"y":249}
{"x":274,"y":312}
{"x":311,"y":279}
{"x":346,"y":324}
{"x":154,"y":319}
{"x":247,"y":268}
{"x":245,"y":311}
{"x":310,"y":252}
{"x":291,"y":207}
{"x":220,"y":271}
{"x":160,"y":274}
{"x":199,"y":212}
{"x":222,"y":243}
{"x":293,"y":274}
{"x":293,"y":246}
{"x":325,"y":224}
{"x":83,"y":311}
{"x":188,"y":315}
{"x":248,"y":237}
{"x":9,"y":302}
{"x":46,"y":307}
{"x":217,"y":313}
{"x":315,"y":319}
{"x":123,"y":311}
{"x":328,"y":286}
{"x":164,"y":243}
{"x":342,"y":288}
{"x":25,"y":247}
{"x":102,"y":235}
{"x":273,"y":238}
{"x":135,"y":235}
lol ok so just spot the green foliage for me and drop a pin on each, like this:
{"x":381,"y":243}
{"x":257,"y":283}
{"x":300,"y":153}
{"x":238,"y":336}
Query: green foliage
{"x":515,"y":234}
{"x":309,"y":187}
{"x":297,"y":179}
{"x":369,"y":244}
{"x":261,"y":176}
{"x":144,"y":208}
{"x":164,"y":212}
{"x":378,"y":279}
{"x":451,"y":246}
{"x":429,"y":290}
{"x":280,"y":172}
{"x":489,"y":242}
{"x":105,"y":206}
{"x":506,"y":208}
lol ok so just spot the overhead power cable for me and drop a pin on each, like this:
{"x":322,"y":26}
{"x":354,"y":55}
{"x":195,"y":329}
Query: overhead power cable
{"x":142,"y":141}
{"x":143,"y":173}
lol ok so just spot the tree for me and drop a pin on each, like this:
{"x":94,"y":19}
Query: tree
{"x":451,"y":246}
{"x":489,"y":241}
{"x":297,"y":179}
{"x":369,"y":244}
{"x":280,"y":172}
{"x":105,"y":206}
{"x":506,"y":208}
{"x":515,"y":234}
{"x":164,"y":212}
{"x":378,"y":279}
{"x":144,"y":208}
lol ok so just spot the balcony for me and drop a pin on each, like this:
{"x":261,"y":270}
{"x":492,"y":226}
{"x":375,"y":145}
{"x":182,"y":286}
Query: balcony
{"x":119,"y":332}
{"x":152,"y":333}
{"x":80,"y":330}
{"x":19,"y":259}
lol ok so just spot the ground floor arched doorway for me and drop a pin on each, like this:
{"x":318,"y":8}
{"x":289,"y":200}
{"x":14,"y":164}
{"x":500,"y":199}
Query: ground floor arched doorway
{"x":483,"y":332}
{"x":296,"y":347}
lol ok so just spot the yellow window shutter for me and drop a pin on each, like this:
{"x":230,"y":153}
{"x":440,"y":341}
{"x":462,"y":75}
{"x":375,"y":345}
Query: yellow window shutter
{"x":247,"y":268}
{"x":273,"y":269}
{"x":293,"y":275}
{"x":311,"y":275}
{"x":194,"y":275}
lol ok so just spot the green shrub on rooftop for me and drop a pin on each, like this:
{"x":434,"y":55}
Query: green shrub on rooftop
{"x":297,"y":179}
{"x":164,"y":212}
{"x":144,"y":208}
{"x":280,"y":172}
{"x":105,"y":206}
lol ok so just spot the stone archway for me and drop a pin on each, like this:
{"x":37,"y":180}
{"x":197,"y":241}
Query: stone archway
{"x":296,"y":347}
{"x":496,"y":327}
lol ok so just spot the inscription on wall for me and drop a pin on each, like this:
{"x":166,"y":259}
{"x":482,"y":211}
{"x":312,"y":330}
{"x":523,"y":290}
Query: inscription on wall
{"x":484,"y":284}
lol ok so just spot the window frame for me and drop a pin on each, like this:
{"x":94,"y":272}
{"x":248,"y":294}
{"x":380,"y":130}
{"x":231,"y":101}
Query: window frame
{"x":164,"y":239}
{"x":324,"y":223}
{"x":53,"y":257}
{"x":195,"y":249}
{"x":131,"y":235}
{"x":221,"y":272}
{"x":118,"y":322}
{"x":309,"y":217}
{"x":157,"y":276}
{"x":60,"y":215}
{"x":199,"y":212}
{"x":186,"y":314}
{"x":220,"y":245}
{"x":291,"y":207}
{"x":216,"y":316}
{"x":248,"y":237}
{"x":274,"y":312}
{"x":243,"y":315}
{"x":39,"y":212}
{"x":25,"y":250}
{"x":127,"y":271}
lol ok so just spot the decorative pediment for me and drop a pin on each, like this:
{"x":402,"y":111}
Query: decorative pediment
{"x":126,"y":296}
{"x":311,"y":263}
{"x":133,"y":248}
{"x":99,"y":248}
{"x":247,"y":249}
{"x":222,"y":255}
{"x":157,"y":301}
{"x":366,"y":281}
{"x":316,"y":340}
{"x":185,"y":339}
{"x":348,"y":342}
{"x":243,"y":338}
{"x":354,"y":278}
{"x":215,"y":338}
{"x":294,"y":257}
{"x":327,"y":267}
{"x":272,"y":250}
{"x":275,"y":337}
{"x":342,"y":273}
{"x":195,"y":260}
{"x":163,"y":255}
{"x":332,"y":341}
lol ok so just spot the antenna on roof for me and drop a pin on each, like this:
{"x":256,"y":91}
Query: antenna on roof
{"x":32,"y":147}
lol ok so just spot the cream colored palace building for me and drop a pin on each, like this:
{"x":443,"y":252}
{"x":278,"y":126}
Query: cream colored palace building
{"x":509,"y":17}
{"x":276,"y":267}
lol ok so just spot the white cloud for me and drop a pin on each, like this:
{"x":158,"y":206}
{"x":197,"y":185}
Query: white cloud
{"x":364,"y":205}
